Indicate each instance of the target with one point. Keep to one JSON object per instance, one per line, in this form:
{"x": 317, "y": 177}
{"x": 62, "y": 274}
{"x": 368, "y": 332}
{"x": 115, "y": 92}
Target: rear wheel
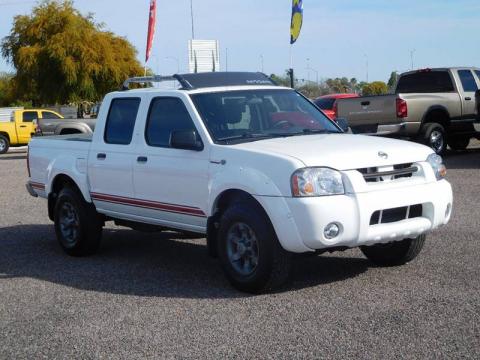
{"x": 458, "y": 143}
{"x": 251, "y": 255}
{"x": 4, "y": 144}
{"x": 394, "y": 253}
{"x": 77, "y": 224}
{"x": 433, "y": 135}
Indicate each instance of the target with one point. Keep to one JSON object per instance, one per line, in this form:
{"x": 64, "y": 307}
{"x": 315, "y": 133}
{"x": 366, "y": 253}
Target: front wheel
{"x": 458, "y": 143}
{"x": 4, "y": 144}
{"x": 433, "y": 135}
{"x": 77, "y": 224}
{"x": 394, "y": 253}
{"x": 251, "y": 255}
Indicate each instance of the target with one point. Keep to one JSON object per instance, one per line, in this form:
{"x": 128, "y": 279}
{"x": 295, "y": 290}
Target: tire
{"x": 77, "y": 224}
{"x": 394, "y": 253}
{"x": 246, "y": 237}
{"x": 433, "y": 135}
{"x": 458, "y": 143}
{"x": 4, "y": 144}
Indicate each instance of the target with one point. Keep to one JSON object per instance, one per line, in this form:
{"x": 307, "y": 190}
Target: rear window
{"x": 121, "y": 121}
{"x": 50, "y": 115}
{"x": 425, "y": 82}
{"x": 325, "y": 104}
{"x": 468, "y": 81}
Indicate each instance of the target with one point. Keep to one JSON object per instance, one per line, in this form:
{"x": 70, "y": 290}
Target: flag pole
{"x": 292, "y": 78}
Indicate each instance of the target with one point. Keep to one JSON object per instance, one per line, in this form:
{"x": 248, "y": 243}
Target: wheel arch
{"x": 3, "y": 133}
{"x": 439, "y": 110}
{"x": 219, "y": 205}
{"x": 60, "y": 181}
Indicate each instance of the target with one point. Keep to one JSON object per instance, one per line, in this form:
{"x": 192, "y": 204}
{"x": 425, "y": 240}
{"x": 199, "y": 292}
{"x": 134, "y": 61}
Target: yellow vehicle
{"x": 22, "y": 125}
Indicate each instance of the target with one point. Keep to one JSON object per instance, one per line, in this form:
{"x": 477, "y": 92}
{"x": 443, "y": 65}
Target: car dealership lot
{"x": 151, "y": 294}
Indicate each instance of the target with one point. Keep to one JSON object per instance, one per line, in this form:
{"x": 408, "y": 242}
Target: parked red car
{"x": 328, "y": 103}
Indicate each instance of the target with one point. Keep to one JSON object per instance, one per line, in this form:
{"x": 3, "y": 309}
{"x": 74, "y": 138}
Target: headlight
{"x": 317, "y": 182}
{"x": 438, "y": 167}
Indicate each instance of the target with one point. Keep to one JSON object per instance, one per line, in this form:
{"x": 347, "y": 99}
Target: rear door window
{"x": 468, "y": 81}
{"x": 425, "y": 82}
{"x": 50, "y": 116}
{"x": 29, "y": 116}
{"x": 121, "y": 121}
{"x": 166, "y": 115}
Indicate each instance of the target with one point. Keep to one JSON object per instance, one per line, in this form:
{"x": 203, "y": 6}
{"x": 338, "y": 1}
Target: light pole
{"x": 193, "y": 23}
{"x": 261, "y": 63}
{"x": 316, "y": 73}
{"x": 308, "y": 70}
{"x": 412, "y": 52}
{"x": 366, "y": 64}
{"x": 173, "y": 58}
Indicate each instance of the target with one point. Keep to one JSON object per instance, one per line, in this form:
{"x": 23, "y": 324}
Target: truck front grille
{"x": 388, "y": 216}
{"x": 375, "y": 174}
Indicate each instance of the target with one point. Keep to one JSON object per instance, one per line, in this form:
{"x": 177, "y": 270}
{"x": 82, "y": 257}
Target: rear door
{"x": 469, "y": 87}
{"x": 49, "y": 122}
{"x": 171, "y": 185}
{"x": 25, "y": 127}
{"x": 111, "y": 157}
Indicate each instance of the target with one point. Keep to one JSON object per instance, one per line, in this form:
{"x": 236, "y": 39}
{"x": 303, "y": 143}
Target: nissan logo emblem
{"x": 383, "y": 155}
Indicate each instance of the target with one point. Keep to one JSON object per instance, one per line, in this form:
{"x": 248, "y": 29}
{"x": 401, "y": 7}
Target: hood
{"x": 343, "y": 151}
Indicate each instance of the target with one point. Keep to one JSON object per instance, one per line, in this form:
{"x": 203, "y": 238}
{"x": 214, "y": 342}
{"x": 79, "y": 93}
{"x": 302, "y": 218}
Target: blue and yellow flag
{"x": 297, "y": 20}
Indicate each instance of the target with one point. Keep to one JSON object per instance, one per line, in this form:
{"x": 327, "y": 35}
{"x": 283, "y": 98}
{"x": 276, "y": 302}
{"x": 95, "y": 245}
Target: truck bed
{"x": 44, "y": 152}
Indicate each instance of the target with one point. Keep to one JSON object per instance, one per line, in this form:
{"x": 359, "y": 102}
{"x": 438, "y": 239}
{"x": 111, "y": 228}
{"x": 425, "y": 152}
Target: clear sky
{"x": 338, "y": 36}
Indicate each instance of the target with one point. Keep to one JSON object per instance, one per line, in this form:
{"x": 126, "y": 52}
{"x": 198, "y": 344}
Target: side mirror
{"x": 186, "y": 140}
{"x": 343, "y": 123}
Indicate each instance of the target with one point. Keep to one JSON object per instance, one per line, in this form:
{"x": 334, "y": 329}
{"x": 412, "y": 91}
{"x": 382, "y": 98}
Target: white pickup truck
{"x": 255, "y": 167}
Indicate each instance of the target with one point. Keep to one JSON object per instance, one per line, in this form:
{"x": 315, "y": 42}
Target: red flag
{"x": 151, "y": 28}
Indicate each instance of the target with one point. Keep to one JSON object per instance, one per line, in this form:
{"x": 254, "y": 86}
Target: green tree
{"x": 392, "y": 81}
{"x": 375, "y": 88}
{"x": 62, "y": 56}
{"x": 6, "y": 89}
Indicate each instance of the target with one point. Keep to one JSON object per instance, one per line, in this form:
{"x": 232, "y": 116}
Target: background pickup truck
{"x": 65, "y": 126}
{"x": 256, "y": 168}
{"x": 19, "y": 127}
{"x": 434, "y": 106}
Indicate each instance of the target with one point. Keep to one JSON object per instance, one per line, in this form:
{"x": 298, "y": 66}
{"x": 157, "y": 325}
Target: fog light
{"x": 448, "y": 211}
{"x": 331, "y": 231}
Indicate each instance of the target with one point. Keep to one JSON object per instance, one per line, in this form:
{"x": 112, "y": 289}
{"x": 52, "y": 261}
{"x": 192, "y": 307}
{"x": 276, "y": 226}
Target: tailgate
{"x": 368, "y": 112}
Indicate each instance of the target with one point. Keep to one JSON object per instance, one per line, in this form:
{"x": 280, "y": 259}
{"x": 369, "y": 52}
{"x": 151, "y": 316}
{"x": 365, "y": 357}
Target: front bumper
{"x": 300, "y": 222}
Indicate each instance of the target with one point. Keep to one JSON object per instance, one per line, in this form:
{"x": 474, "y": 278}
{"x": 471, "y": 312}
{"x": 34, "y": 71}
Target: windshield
{"x": 236, "y": 116}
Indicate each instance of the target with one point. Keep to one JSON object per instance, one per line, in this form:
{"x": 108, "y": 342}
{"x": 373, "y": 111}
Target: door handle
{"x": 142, "y": 159}
{"x": 468, "y": 98}
{"x": 23, "y": 126}
{"x": 365, "y": 103}
{"x": 101, "y": 156}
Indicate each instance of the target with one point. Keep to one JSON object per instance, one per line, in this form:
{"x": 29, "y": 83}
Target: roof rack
{"x": 154, "y": 78}
{"x": 207, "y": 80}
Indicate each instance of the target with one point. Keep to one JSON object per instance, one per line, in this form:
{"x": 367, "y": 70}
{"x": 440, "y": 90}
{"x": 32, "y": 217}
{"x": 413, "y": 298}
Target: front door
{"x": 469, "y": 86}
{"x": 111, "y": 159}
{"x": 171, "y": 185}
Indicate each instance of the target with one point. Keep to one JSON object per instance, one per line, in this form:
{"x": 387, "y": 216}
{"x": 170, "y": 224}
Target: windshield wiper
{"x": 319, "y": 131}
{"x": 245, "y": 135}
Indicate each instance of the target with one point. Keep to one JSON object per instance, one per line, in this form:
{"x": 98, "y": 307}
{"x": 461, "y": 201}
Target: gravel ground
{"x": 149, "y": 295}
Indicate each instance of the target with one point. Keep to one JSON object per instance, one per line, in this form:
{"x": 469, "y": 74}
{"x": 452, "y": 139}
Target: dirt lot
{"x": 148, "y": 295}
